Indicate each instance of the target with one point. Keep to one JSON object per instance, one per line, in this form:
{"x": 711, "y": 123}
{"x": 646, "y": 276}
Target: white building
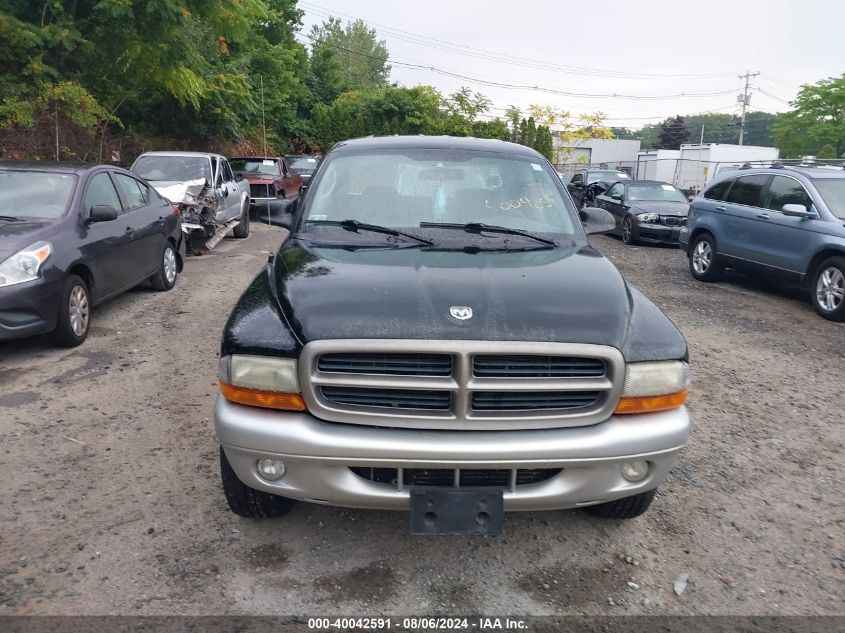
{"x": 613, "y": 153}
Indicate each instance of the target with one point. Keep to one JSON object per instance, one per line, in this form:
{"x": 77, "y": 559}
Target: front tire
{"x": 627, "y": 508}
{"x": 248, "y": 502}
{"x": 165, "y": 277}
{"x": 702, "y": 259}
{"x": 241, "y": 231}
{"x": 628, "y": 236}
{"x": 828, "y": 289}
{"x": 74, "y": 314}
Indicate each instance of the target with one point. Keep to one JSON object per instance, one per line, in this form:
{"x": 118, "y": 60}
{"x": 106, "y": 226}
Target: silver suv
{"x": 787, "y": 223}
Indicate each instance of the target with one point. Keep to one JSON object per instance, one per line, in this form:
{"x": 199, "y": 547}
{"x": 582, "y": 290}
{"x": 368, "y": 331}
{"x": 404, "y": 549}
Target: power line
{"x": 461, "y": 49}
{"x": 513, "y": 86}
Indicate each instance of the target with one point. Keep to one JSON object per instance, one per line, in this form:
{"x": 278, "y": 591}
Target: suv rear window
{"x": 747, "y": 190}
{"x": 718, "y": 191}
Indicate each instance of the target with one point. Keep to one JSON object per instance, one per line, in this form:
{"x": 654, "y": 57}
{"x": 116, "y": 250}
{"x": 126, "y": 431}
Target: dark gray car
{"x": 646, "y": 211}
{"x": 787, "y": 223}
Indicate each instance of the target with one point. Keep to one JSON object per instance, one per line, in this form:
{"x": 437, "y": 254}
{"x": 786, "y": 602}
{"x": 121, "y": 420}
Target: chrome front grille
{"x": 460, "y": 385}
{"x": 261, "y": 192}
{"x": 387, "y": 364}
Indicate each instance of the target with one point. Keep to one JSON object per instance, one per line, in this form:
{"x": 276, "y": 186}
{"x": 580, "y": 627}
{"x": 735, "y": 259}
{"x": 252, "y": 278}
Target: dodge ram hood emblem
{"x": 462, "y": 313}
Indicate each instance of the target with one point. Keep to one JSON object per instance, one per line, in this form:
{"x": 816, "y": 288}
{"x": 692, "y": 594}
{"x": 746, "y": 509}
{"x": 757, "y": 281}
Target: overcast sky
{"x": 642, "y": 48}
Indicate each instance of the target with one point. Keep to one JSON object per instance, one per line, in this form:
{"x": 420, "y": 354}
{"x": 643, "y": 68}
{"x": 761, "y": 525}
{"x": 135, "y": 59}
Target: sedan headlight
{"x": 647, "y": 217}
{"x": 261, "y": 381}
{"x": 654, "y": 386}
{"x": 25, "y": 265}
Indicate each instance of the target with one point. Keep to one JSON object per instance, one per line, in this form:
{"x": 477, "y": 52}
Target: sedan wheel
{"x": 628, "y": 231}
{"x": 169, "y": 265}
{"x": 78, "y": 310}
{"x": 165, "y": 277}
{"x": 74, "y": 314}
{"x": 829, "y": 289}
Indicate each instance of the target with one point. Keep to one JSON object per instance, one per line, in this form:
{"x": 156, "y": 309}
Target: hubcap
{"x": 169, "y": 265}
{"x": 701, "y": 257}
{"x": 626, "y": 230}
{"x": 78, "y": 310}
{"x": 830, "y": 289}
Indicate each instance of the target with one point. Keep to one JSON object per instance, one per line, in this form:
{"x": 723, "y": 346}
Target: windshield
{"x": 35, "y": 194}
{"x": 402, "y": 188}
{"x": 302, "y": 164}
{"x": 173, "y": 168}
{"x": 610, "y": 176}
{"x": 655, "y": 193}
{"x": 265, "y": 167}
{"x": 832, "y": 192}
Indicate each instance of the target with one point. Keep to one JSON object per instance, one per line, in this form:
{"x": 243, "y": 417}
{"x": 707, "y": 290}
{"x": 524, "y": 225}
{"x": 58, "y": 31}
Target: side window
{"x": 748, "y": 190}
{"x": 718, "y": 191}
{"x": 228, "y": 176}
{"x": 785, "y": 190}
{"x": 616, "y": 190}
{"x": 133, "y": 191}
{"x": 577, "y": 178}
{"x": 101, "y": 192}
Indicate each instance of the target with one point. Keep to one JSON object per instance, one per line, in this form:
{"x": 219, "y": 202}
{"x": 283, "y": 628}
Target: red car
{"x": 270, "y": 179}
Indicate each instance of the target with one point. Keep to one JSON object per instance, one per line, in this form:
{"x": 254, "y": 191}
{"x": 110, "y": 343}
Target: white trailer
{"x": 698, "y": 163}
{"x": 657, "y": 164}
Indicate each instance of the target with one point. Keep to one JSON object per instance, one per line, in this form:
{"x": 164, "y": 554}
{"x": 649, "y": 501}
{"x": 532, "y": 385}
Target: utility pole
{"x": 264, "y": 120}
{"x": 746, "y": 99}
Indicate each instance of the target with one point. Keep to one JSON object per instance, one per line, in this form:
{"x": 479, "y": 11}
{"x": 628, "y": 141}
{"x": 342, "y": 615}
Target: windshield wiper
{"x": 9, "y": 218}
{"x": 478, "y": 228}
{"x": 355, "y": 226}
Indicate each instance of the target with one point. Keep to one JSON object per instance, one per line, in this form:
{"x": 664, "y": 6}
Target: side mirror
{"x": 797, "y": 211}
{"x": 102, "y": 213}
{"x": 596, "y": 220}
{"x": 617, "y": 196}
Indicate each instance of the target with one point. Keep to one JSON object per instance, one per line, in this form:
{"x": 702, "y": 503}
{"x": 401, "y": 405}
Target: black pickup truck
{"x": 437, "y": 335}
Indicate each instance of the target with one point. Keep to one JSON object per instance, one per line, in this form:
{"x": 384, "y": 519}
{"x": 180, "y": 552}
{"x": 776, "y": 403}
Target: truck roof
{"x": 436, "y": 142}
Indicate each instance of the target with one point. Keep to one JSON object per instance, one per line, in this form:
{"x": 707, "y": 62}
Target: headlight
{"x": 25, "y": 265}
{"x": 647, "y": 217}
{"x": 261, "y": 381}
{"x": 654, "y": 386}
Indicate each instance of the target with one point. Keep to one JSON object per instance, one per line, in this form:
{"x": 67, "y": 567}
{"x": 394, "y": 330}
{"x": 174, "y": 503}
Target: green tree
{"x": 816, "y": 123}
{"x": 346, "y": 58}
{"x": 543, "y": 143}
{"x": 673, "y": 132}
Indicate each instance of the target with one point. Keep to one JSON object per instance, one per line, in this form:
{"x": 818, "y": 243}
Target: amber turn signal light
{"x": 647, "y": 404}
{"x": 261, "y": 398}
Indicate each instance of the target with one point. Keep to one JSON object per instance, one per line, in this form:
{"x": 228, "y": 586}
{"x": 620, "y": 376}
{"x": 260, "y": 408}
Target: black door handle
{"x": 720, "y": 208}
{"x": 763, "y": 216}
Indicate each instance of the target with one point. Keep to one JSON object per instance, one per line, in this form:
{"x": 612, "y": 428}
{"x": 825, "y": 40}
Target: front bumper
{"x": 29, "y": 308}
{"x": 657, "y": 233}
{"x": 318, "y": 456}
{"x": 683, "y": 239}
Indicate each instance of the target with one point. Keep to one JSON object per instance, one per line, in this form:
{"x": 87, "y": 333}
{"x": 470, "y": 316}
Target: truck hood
{"x": 180, "y": 192}
{"x": 568, "y": 294}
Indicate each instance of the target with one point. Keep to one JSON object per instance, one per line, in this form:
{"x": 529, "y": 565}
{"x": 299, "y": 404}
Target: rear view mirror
{"x": 797, "y": 211}
{"x": 596, "y": 220}
{"x": 102, "y": 213}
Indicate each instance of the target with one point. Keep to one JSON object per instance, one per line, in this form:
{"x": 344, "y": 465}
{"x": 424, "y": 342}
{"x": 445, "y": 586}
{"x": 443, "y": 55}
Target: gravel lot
{"x": 111, "y": 502}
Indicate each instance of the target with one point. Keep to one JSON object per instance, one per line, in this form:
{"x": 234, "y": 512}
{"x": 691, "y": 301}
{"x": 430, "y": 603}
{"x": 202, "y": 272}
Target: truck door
{"x": 231, "y": 192}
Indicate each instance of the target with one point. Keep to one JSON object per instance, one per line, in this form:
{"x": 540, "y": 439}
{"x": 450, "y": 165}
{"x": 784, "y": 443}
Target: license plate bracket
{"x": 437, "y": 510}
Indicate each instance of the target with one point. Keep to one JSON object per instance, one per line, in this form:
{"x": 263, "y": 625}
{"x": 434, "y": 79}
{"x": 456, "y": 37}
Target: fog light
{"x": 271, "y": 469}
{"x": 635, "y": 471}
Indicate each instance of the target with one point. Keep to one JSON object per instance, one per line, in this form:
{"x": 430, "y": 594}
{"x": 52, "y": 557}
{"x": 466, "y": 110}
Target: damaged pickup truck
{"x": 212, "y": 198}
